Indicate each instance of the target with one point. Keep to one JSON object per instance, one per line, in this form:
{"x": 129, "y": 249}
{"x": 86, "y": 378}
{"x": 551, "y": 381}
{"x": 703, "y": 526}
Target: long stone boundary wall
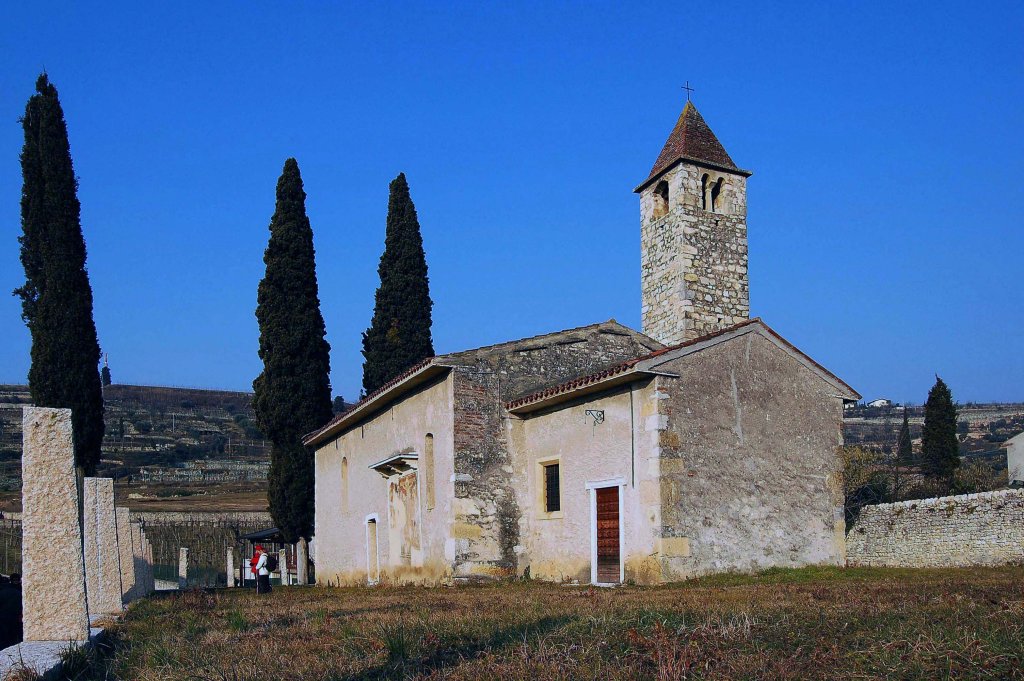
{"x": 960, "y": 531}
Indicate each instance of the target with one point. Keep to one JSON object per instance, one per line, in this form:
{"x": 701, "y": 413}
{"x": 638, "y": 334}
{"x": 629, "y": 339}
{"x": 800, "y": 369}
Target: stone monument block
{"x": 53, "y": 581}
{"x": 150, "y": 576}
{"x": 126, "y": 553}
{"x": 301, "y": 562}
{"x": 102, "y": 560}
{"x": 138, "y": 560}
{"x": 230, "y": 572}
{"x": 282, "y": 566}
{"x": 182, "y": 567}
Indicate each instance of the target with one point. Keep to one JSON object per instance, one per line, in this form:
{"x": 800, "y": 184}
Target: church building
{"x": 600, "y": 454}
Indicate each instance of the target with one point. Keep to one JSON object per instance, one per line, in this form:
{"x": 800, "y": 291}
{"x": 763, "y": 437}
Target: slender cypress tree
{"x": 105, "y": 373}
{"x": 904, "y": 446}
{"x": 293, "y": 394}
{"x": 399, "y": 334}
{"x": 940, "y": 451}
{"x": 56, "y": 300}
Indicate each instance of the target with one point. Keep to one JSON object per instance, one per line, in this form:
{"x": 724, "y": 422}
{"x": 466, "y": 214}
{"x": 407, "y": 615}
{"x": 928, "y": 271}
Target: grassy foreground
{"x": 783, "y": 624}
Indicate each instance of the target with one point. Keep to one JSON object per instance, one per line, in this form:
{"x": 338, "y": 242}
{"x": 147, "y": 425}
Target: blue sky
{"x": 885, "y": 212}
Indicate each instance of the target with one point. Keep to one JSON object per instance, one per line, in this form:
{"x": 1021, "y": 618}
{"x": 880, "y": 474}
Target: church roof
{"x": 691, "y": 140}
{"x": 433, "y": 366}
{"x": 647, "y": 365}
{"x": 556, "y": 338}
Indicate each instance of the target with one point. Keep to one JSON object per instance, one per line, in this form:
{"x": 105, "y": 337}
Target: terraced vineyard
{"x": 163, "y": 446}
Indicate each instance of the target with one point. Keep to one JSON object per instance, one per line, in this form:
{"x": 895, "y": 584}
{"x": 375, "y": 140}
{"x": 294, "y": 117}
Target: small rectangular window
{"x": 552, "y": 493}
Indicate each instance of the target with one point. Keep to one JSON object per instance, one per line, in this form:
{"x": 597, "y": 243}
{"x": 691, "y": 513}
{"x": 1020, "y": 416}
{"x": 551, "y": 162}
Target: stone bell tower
{"x": 693, "y": 236}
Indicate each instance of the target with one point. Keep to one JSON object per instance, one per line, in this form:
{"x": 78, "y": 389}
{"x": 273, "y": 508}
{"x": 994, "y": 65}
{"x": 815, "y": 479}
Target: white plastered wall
{"x": 340, "y": 525}
{"x": 558, "y": 546}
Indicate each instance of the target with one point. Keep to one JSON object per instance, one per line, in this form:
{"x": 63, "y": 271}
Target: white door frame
{"x": 375, "y": 518}
{"x": 592, "y": 487}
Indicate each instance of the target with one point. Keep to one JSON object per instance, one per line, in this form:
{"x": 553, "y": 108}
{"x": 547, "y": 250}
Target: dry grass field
{"x": 784, "y": 624}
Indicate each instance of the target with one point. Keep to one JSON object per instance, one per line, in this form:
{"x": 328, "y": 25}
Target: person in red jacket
{"x": 258, "y": 564}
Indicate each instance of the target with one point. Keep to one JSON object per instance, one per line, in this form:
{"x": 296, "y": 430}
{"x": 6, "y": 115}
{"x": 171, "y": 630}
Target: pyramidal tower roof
{"x": 691, "y": 140}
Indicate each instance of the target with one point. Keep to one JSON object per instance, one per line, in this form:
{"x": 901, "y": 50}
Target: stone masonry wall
{"x": 748, "y": 463}
{"x": 693, "y": 261}
{"x": 959, "y": 531}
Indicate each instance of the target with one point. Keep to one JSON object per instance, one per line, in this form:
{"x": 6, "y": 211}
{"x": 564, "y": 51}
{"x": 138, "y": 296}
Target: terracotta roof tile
{"x": 692, "y": 139}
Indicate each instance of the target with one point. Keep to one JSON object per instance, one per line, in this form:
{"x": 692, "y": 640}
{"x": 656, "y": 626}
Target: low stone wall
{"x": 960, "y": 531}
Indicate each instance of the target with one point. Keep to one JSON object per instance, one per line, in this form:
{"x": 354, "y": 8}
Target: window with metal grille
{"x": 552, "y": 493}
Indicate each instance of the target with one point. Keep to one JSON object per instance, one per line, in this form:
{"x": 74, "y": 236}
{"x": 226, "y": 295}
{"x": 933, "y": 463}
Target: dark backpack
{"x": 271, "y": 563}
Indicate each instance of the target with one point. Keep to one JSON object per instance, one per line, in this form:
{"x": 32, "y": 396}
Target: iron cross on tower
{"x": 688, "y": 90}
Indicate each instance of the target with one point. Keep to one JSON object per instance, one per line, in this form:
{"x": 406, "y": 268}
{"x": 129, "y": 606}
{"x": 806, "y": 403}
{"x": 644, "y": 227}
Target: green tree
{"x": 56, "y": 299}
{"x": 399, "y": 334}
{"x": 293, "y": 393}
{"x": 940, "y": 451}
{"x": 105, "y": 375}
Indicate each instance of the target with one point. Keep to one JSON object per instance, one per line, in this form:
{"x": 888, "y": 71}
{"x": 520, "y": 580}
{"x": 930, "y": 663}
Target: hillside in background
{"x": 982, "y": 428}
{"x": 166, "y": 448}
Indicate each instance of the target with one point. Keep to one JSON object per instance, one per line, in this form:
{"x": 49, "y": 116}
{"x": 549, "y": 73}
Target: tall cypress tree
{"x": 293, "y": 394}
{"x": 56, "y": 299}
{"x": 904, "y": 446}
{"x": 399, "y": 334}
{"x": 940, "y": 451}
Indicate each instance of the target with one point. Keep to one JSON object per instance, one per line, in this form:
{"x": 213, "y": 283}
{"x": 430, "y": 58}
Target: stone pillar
{"x": 182, "y": 567}
{"x": 301, "y": 562}
{"x": 150, "y": 575}
{"x": 53, "y": 582}
{"x": 282, "y": 566}
{"x": 138, "y": 560}
{"x": 126, "y": 553}
{"x": 151, "y": 584}
{"x": 102, "y": 560}
{"x": 231, "y": 567}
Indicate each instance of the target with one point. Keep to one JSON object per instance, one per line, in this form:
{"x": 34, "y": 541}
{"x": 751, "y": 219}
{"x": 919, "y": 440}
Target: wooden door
{"x": 608, "y": 535}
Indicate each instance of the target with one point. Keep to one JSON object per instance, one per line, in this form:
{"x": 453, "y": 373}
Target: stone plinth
{"x": 102, "y": 560}
{"x": 182, "y": 567}
{"x": 53, "y": 581}
{"x": 126, "y": 554}
{"x": 301, "y": 562}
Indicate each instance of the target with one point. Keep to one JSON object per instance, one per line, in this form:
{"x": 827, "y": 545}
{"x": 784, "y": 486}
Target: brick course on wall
{"x": 957, "y": 531}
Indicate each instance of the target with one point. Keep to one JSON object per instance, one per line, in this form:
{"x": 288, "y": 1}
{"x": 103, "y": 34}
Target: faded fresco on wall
{"x": 404, "y": 519}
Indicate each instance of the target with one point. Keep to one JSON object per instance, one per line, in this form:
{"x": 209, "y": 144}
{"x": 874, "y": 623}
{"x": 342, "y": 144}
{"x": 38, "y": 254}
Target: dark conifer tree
{"x": 56, "y": 299}
{"x": 904, "y": 446}
{"x": 105, "y": 373}
{"x": 293, "y": 394}
{"x": 399, "y": 334}
{"x": 940, "y": 450}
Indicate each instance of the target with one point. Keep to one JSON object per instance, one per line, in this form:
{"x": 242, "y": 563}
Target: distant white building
{"x": 1015, "y": 458}
{"x": 880, "y": 402}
